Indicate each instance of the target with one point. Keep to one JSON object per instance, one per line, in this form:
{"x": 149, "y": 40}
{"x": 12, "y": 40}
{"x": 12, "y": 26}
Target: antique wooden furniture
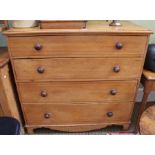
{"x": 148, "y": 81}
{"x": 78, "y": 79}
{"x": 147, "y": 121}
{"x": 8, "y": 102}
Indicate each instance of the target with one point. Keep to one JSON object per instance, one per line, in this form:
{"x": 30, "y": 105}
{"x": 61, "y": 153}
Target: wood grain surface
{"x": 76, "y": 113}
{"x": 66, "y": 69}
{"x": 64, "y": 77}
{"x": 98, "y": 91}
{"x": 77, "y": 46}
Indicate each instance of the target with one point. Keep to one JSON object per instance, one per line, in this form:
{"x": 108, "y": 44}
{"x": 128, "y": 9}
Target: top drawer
{"x": 77, "y": 46}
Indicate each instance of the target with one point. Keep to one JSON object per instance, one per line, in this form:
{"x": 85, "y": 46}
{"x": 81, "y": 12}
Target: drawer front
{"x": 98, "y": 91}
{"x": 76, "y": 69}
{"x": 78, "y": 46}
{"x": 63, "y": 114}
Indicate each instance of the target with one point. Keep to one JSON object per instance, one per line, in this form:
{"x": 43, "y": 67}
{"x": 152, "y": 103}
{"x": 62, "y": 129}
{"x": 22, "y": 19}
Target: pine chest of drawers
{"x": 78, "y": 80}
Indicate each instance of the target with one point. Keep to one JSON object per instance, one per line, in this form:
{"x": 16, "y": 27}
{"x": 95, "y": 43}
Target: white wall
{"x": 150, "y": 24}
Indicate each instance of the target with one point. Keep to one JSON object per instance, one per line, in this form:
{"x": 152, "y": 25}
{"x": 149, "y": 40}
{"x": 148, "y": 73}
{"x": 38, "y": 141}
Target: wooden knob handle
{"x": 38, "y": 47}
{"x": 41, "y": 69}
{"x": 113, "y": 92}
{"x": 116, "y": 68}
{"x": 109, "y": 114}
{"x": 46, "y": 115}
{"x": 119, "y": 45}
{"x": 43, "y": 93}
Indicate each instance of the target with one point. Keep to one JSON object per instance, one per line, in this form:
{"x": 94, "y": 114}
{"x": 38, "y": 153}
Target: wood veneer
{"x": 76, "y": 69}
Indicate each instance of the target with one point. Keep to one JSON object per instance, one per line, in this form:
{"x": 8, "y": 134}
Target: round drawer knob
{"x": 43, "y": 93}
{"x": 116, "y": 68}
{"x": 119, "y": 45}
{"x": 46, "y": 115}
{"x": 41, "y": 69}
{"x": 109, "y": 114}
{"x": 113, "y": 92}
{"x": 38, "y": 47}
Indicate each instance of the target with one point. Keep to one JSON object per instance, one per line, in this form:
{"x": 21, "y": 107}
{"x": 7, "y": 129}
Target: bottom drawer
{"x": 67, "y": 114}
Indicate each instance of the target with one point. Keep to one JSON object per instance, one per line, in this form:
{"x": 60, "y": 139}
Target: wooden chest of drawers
{"x": 78, "y": 80}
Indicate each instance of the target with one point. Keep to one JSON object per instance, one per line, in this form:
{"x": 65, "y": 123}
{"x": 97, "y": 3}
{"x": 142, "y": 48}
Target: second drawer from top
{"x": 77, "y": 69}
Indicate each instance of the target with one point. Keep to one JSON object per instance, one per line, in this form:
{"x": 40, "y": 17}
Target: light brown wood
{"x": 1, "y": 112}
{"x": 69, "y": 63}
{"x": 153, "y": 87}
{"x": 9, "y": 105}
{"x": 75, "y": 128}
{"x": 77, "y": 46}
{"x": 147, "y": 121}
{"x": 7, "y": 96}
{"x": 148, "y": 81}
{"x": 60, "y": 92}
{"x": 149, "y": 75}
{"x": 93, "y": 27}
{"x": 30, "y": 130}
{"x": 60, "y": 114}
{"x": 62, "y": 24}
{"x": 67, "y": 69}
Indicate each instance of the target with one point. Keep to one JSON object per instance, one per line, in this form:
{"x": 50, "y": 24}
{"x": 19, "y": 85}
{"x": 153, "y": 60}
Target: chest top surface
{"x": 92, "y": 27}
